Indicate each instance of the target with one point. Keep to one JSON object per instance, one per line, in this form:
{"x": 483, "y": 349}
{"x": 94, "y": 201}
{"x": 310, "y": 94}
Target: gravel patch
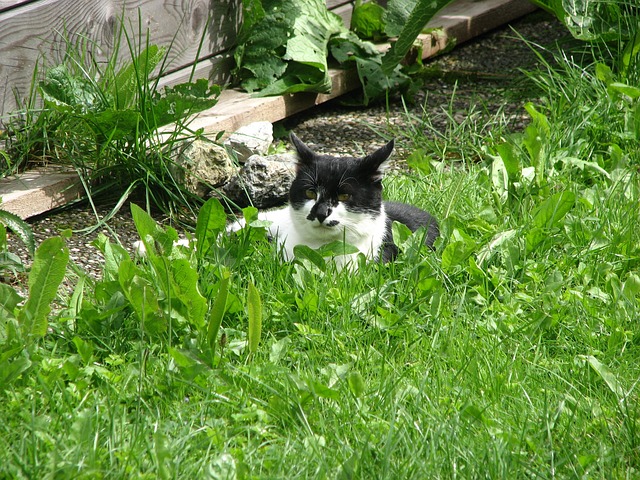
{"x": 483, "y": 72}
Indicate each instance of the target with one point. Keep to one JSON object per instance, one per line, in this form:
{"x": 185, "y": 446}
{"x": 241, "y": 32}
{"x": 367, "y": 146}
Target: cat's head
{"x": 337, "y": 193}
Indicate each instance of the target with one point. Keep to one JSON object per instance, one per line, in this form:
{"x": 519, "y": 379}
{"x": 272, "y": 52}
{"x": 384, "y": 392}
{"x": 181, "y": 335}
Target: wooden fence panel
{"x": 38, "y": 28}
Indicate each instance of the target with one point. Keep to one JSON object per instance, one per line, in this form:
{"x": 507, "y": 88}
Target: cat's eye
{"x": 311, "y": 195}
{"x": 344, "y": 197}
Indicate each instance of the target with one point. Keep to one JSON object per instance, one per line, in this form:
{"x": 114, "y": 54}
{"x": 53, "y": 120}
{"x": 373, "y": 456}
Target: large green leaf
{"x": 182, "y": 100}
{"x": 142, "y": 296}
{"x": 211, "y": 221}
{"x": 151, "y": 234}
{"x": 606, "y": 374}
{"x": 285, "y": 49}
{"x": 397, "y": 15}
{"x": 20, "y": 228}
{"x": 12, "y": 366}
{"x": 9, "y": 300}
{"x": 423, "y": 11}
{"x": 367, "y": 20}
{"x": 254, "y": 310}
{"x": 66, "y": 92}
{"x": 113, "y": 255}
{"x": 553, "y": 209}
{"x": 185, "y": 288}
{"x": 131, "y": 78}
{"x": 217, "y": 311}
{"x": 47, "y": 272}
{"x": 595, "y": 21}
{"x": 547, "y": 216}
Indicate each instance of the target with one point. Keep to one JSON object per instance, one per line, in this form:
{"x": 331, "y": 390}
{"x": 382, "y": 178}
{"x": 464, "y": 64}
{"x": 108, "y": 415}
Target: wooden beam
{"x": 39, "y": 191}
{"x": 41, "y": 28}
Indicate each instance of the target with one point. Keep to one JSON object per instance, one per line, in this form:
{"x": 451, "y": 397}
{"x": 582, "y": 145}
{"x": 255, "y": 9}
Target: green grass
{"x": 509, "y": 352}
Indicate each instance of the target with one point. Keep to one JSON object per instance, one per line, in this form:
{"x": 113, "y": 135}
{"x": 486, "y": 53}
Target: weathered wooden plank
{"x": 331, "y": 4}
{"x": 236, "y": 108}
{"x": 33, "y": 29}
{"x": 464, "y": 20}
{"x": 9, "y": 4}
{"x": 37, "y": 29}
{"x": 38, "y": 191}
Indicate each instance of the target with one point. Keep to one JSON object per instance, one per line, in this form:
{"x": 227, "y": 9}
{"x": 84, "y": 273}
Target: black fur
{"x": 358, "y": 177}
{"x": 414, "y": 218}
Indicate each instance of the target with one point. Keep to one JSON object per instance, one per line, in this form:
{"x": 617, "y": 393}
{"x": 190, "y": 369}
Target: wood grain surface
{"x": 39, "y": 29}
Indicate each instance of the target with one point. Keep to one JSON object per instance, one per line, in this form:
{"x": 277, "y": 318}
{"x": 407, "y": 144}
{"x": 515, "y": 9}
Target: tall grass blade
{"x": 254, "y": 309}
{"x": 217, "y": 311}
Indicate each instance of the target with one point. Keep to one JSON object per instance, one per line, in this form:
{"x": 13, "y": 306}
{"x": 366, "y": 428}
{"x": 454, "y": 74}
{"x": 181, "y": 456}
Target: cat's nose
{"x": 322, "y": 213}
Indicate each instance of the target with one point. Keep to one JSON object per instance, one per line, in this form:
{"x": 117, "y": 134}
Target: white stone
{"x": 252, "y": 139}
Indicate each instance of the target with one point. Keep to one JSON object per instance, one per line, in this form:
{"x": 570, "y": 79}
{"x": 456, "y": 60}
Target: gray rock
{"x": 263, "y": 181}
{"x": 252, "y": 139}
{"x": 201, "y": 165}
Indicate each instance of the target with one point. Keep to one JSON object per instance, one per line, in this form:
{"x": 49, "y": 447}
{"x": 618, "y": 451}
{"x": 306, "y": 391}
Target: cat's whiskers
{"x": 345, "y": 180}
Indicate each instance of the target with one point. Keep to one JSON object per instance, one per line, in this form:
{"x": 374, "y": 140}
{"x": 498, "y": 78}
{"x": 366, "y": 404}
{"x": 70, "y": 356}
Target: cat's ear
{"x": 377, "y": 162}
{"x": 305, "y": 153}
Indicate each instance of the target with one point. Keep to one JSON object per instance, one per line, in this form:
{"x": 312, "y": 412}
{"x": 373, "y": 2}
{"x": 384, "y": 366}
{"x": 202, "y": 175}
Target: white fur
{"x": 141, "y": 251}
{"x": 291, "y": 227}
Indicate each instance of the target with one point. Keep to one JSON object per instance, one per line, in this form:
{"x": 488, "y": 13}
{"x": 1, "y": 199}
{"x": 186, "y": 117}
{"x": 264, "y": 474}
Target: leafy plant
{"x": 283, "y": 46}
{"x": 22, "y": 321}
{"x": 8, "y": 260}
{"x": 595, "y": 21}
{"x": 105, "y": 121}
{"x": 161, "y": 294}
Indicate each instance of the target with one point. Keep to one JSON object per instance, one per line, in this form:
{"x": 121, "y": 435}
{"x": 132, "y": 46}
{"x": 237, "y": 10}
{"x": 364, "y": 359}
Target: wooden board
{"x": 31, "y": 30}
{"x": 38, "y": 191}
{"x": 9, "y": 4}
{"x": 457, "y": 23}
{"x": 38, "y": 28}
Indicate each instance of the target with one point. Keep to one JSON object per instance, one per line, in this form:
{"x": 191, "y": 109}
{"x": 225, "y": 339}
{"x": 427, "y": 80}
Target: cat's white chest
{"x": 290, "y": 227}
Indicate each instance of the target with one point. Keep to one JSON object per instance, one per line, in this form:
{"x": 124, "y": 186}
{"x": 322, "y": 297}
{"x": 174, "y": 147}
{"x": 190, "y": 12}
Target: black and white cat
{"x": 335, "y": 198}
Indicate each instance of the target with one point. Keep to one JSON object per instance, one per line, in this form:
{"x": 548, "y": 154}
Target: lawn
{"x": 511, "y": 351}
